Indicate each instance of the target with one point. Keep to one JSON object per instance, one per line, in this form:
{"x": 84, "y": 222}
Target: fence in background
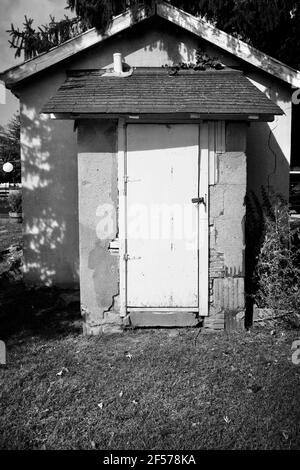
{"x": 295, "y": 192}
{"x": 5, "y": 187}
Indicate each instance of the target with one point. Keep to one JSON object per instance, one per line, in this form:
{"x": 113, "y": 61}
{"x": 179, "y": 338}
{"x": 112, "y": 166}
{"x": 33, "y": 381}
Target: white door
{"x": 162, "y": 223}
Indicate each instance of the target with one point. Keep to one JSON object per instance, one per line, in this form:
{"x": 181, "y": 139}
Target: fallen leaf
{"x": 128, "y": 355}
{"x": 50, "y": 386}
{"x": 62, "y": 372}
{"x": 226, "y": 419}
{"x": 254, "y": 388}
{"x": 285, "y": 435}
{"x": 111, "y": 438}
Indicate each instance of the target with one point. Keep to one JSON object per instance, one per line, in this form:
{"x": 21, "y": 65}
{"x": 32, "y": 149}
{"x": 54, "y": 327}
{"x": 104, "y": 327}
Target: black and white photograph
{"x": 149, "y": 228}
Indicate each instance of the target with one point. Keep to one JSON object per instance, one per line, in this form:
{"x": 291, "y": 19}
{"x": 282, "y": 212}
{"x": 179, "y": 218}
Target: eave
{"x": 170, "y": 118}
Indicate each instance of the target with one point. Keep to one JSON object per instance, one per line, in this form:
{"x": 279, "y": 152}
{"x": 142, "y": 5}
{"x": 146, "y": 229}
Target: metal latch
{"x": 128, "y": 180}
{"x": 199, "y": 200}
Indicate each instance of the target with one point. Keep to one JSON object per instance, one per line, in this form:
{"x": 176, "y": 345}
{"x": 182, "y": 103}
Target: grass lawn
{"x": 10, "y": 234}
{"x": 151, "y": 389}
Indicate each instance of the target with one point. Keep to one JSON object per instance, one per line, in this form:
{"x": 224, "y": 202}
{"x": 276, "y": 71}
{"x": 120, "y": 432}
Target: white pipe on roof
{"x": 2, "y": 93}
{"x": 118, "y": 66}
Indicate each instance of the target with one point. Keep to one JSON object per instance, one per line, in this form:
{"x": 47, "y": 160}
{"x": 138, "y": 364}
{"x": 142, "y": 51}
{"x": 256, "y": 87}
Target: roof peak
{"x": 162, "y": 9}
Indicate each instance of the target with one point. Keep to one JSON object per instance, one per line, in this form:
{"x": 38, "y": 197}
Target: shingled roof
{"x": 155, "y": 91}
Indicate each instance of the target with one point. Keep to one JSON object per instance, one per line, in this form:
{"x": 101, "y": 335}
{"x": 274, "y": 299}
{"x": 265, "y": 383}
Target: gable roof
{"x": 197, "y": 26}
{"x": 154, "y": 91}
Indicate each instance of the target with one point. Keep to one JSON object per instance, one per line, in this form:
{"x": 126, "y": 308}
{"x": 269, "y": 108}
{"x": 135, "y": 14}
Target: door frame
{"x": 203, "y": 210}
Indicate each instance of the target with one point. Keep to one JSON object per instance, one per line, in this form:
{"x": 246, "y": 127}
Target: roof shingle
{"x": 154, "y": 91}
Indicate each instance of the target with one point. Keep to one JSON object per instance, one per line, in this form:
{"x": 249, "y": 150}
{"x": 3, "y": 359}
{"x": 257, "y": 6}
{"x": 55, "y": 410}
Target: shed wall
{"x": 49, "y": 148}
{"x": 98, "y": 208}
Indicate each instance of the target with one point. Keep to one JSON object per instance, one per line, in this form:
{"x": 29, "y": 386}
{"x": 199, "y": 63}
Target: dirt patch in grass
{"x": 151, "y": 390}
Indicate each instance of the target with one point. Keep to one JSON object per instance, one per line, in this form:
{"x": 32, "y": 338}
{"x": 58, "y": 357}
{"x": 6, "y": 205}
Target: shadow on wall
{"x": 179, "y": 51}
{"x": 233, "y": 44}
{"x": 267, "y": 165}
{"x": 267, "y": 175}
{"x": 50, "y": 202}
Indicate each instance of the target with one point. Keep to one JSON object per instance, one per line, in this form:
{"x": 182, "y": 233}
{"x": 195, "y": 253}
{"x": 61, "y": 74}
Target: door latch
{"x": 199, "y": 200}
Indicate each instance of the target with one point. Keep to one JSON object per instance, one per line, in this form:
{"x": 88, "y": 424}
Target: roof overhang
{"x": 153, "y": 93}
{"x": 164, "y": 117}
{"x": 170, "y": 13}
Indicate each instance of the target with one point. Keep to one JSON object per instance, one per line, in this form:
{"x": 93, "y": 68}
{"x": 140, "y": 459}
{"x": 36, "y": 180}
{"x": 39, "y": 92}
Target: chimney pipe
{"x": 118, "y": 67}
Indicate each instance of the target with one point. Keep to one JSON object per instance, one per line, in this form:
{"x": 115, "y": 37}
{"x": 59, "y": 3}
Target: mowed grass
{"x": 155, "y": 389}
{"x": 10, "y": 234}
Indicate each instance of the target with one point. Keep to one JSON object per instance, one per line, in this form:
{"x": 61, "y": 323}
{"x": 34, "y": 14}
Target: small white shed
{"x": 135, "y": 176}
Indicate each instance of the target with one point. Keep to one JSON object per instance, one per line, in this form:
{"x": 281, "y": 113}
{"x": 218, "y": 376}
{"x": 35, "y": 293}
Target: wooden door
{"x": 163, "y": 247}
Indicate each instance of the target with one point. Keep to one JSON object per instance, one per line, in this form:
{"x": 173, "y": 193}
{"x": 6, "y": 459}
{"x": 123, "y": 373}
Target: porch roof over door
{"x": 210, "y": 94}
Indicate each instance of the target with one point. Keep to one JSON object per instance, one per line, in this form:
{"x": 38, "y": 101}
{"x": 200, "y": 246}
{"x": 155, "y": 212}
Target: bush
{"x": 277, "y": 272}
{"x": 15, "y": 200}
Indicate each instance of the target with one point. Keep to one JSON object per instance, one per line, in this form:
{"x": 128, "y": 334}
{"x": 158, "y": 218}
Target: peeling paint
{"x": 227, "y": 240}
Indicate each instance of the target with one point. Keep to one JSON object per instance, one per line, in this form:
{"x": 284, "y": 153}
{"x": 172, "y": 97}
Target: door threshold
{"x": 163, "y": 309}
{"x": 170, "y": 319}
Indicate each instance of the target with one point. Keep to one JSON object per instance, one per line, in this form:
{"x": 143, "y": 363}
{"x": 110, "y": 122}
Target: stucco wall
{"x": 49, "y": 148}
{"x": 98, "y": 205}
{"x": 49, "y": 177}
{"x": 269, "y": 144}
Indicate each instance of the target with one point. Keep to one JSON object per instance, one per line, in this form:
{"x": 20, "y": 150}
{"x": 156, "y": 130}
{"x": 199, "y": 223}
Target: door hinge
{"x": 127, "y": 257}
{"x": 128, "y": 180}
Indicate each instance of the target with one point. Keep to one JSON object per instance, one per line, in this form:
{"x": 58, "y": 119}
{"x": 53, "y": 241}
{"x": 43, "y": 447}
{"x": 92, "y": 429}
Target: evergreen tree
{"x": 273, "y": 26}
{"x": 31, "y": 41}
